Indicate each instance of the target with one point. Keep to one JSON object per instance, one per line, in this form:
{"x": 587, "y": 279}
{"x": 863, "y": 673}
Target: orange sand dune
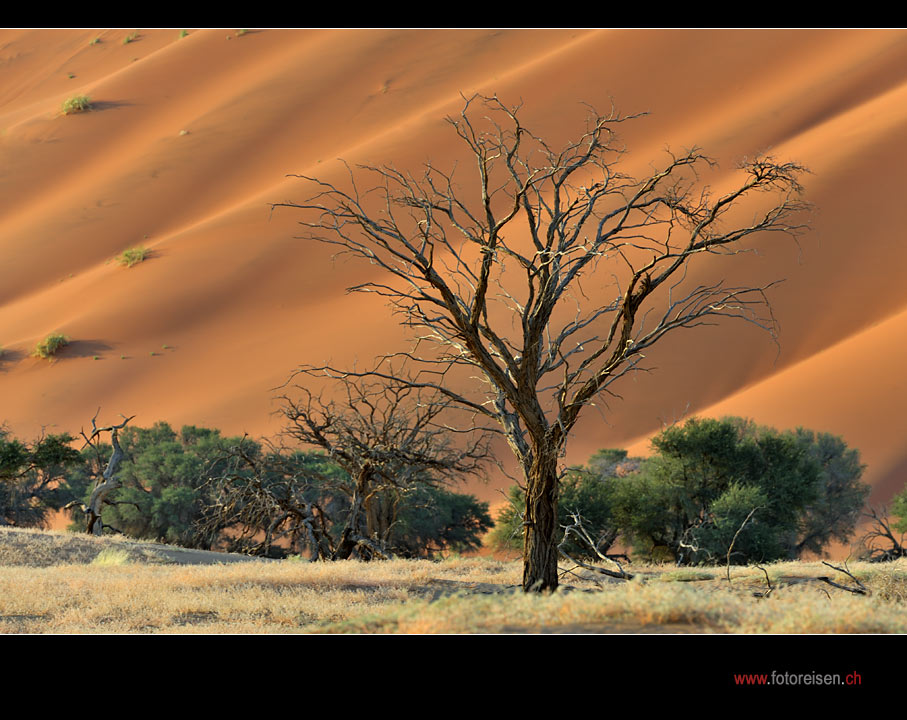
{"x": 192, "y": 139}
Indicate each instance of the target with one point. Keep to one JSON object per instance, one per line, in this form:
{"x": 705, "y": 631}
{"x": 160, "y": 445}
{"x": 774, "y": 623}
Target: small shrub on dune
{"x": 132, "y": 256}
{"x": 50, "y": 346}
{"x": 77, "y": 104}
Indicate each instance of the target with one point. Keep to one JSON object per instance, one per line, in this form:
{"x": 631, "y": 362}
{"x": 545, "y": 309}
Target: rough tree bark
{"x": 489, "y": 279}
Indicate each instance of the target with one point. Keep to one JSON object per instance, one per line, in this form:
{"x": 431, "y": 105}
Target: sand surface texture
{"x": 191, "y": 138}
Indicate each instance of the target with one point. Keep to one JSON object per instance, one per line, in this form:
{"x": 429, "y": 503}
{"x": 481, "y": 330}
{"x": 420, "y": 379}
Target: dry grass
{"x": 55, "y": 583}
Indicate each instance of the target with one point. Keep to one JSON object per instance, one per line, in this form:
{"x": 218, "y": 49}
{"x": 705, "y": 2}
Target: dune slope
{"x": 190, "y": 140}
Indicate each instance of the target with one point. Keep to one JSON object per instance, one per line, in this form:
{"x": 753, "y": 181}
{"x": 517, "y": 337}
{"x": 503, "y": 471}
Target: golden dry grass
{"x": 140, "y": 593}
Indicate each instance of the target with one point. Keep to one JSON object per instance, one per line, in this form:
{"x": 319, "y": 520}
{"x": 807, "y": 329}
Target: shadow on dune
{"x": 9, "y": 357}
{"x": 108, "y": 105}
{"x": 84, "y": 348}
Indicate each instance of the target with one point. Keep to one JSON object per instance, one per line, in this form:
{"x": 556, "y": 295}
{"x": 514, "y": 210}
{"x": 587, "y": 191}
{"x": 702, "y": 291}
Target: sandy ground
{"x": 192, "y": 138}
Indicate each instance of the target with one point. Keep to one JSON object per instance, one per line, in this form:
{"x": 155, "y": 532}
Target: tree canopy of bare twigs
{"x": 881, "y": 542}
{"x": 262, "y": 498}
{"x": 491, "y": 277}
{"x": 389, "y": 439}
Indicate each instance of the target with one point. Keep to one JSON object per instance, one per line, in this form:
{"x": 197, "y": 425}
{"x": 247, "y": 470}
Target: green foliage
{"x": 76, "y": 104}
{"x": 161, "y": 495}
{"x": 690, "y": 499}
{"x": 841, "y": 495}
{"x": 899, "y": 511}
{"x": 131, "y": 37}
{"x": 166, "y": 494}
{"x": 431, "y": 519}
{"x": 507, "y": 533}
{"x": 50, "y": 346}
{"x": 132, "y": 256}
{"x": 688, "y": 502}
{"x": 29, "y": 476}
{"x": 584, "y": 493}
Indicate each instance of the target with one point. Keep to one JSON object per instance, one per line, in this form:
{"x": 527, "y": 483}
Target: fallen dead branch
{"x": 861, "y": 589}
{"x": 579, "y": 532}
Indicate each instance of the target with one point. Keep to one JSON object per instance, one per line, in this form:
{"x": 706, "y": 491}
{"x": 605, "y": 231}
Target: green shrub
{"x": 76, "y": 104}
{"x": 690, "y": 499}
{"x": 50, "y": 346}
{"x": 131, "y": 37}
{"x": 30, "y": 475}
{"x": 162, "y": 492}
{"x": 432, "y": 520}
{"x": 132, "y": 256}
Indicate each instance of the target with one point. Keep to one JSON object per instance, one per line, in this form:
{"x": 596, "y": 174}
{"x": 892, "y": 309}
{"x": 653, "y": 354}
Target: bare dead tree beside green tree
{"x": 390, "y": 439}
{"x": 490, "y": 278}
{"x": 107, "y": 480}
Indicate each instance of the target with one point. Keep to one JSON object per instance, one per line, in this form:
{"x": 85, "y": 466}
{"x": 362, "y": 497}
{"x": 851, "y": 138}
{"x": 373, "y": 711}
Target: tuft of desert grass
{"x": 132, "y": 256}
{"x": 76, "y": 104}
{"x": 112, "y": 556}
{"x": 50, "y": 346}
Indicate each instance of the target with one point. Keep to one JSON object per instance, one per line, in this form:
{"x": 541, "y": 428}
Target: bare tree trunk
{"x": 352, "y": 529}
{"x": 540, "y": 551}
{"x": 108, "y": 481}
{"x": 380, "y": 515}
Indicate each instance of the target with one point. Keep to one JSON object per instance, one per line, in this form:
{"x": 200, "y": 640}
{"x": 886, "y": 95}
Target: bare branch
{"x": 861, "y": 589}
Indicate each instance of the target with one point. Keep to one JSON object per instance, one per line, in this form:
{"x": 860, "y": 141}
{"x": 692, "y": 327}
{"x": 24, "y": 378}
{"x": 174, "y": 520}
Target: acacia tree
{"x": 390, "y": 439}
{"x": 30, "y": 476}
{"x": 265, "y": 497}
{"x": 491, "y": 281}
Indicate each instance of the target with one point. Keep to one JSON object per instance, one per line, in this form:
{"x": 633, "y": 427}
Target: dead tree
{"x": 882, "y": 532}
{"x": 489, "y": 279}
{"x": 107, "y": 482}
{"x": 264, "y": 500}
{"x": 388, "y": 439}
